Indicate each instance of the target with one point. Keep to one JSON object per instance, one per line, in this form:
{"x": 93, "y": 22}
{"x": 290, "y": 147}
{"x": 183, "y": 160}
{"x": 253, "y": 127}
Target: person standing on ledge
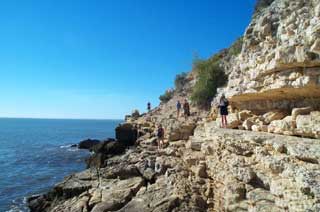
{"x": 186, "y": 108}
{"x": 178, "y": 108}
{"x": 149, "y": 106}
{"x": 160, "y": 135}
{"x": 223, "y": 106}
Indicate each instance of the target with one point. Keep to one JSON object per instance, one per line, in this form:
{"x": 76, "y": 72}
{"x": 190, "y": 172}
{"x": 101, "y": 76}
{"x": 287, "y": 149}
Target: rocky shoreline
{"x": 268, "y": 159}
{"x": 213, "y": 170}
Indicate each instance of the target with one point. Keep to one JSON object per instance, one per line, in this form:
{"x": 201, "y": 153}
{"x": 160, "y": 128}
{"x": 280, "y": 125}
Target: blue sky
{"x": 102, "y": 58}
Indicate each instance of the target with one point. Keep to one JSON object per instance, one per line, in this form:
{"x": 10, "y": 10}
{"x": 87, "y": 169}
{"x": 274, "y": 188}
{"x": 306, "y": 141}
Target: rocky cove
{"x": 267, "y": 159}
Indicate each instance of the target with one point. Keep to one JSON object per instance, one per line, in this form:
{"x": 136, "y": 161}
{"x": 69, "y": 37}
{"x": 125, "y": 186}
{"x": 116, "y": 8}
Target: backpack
{"x": 160, "y": 132}
{"x": 178, "y": 105}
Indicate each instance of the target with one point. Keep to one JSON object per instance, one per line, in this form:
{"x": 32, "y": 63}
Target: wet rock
{"x": 88, "y": 144}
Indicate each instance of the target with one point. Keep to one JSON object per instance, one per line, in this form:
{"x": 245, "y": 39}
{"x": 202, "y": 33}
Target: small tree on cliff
{"x": 166, "y": 96}
{"x": 180, "y": 81}
{"x": 210, "y": 77}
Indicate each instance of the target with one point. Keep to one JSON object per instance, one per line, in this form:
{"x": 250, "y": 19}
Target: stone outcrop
{"x": 88, "y": 144}
{"x": 279, "y": 66}
{"x": 126, "y": 133}
{"x": 301, "y": 122}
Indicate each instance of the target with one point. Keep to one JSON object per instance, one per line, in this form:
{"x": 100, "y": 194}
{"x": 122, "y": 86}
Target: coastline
{"x": 32, "y": 157}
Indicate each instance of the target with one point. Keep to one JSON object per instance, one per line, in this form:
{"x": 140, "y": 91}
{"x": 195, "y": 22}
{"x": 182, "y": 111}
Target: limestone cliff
{"x": 279, "y": 66}
{"x": 274, "y": 86}
{"x": 277, "y": 73}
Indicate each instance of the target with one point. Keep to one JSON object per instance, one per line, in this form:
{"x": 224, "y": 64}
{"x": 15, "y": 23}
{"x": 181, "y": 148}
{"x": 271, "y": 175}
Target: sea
{"x": 35, "y": 154}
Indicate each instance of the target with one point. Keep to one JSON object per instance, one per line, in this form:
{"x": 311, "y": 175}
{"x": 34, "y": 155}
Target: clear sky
{"x": 103, "y": 58}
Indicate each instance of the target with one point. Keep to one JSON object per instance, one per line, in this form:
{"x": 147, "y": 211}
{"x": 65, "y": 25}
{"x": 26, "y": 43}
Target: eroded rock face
{"x": 258, "y": 171}
{"x": 279, "y": 66}
{"x": 126, "y": 134}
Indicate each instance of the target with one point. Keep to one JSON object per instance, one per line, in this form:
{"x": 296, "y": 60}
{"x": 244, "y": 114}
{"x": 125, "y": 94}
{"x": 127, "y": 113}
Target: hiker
{"x": 178, "y": 108}
{"x": 186, "y": 108}
{"x": 223, "y": 106}
{"x": 160, "y": 135}
{"x": 149, "y": 106}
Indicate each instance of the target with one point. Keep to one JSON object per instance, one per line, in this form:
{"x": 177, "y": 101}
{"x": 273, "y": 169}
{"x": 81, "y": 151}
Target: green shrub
{"x": 210, "y": 77}
{"x": 180, "y": 81}
{"x": 166, "y": 96}
{"x": 236, "y": 47}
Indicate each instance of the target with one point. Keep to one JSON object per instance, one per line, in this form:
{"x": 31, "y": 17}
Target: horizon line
{"x": 93, "y": 119}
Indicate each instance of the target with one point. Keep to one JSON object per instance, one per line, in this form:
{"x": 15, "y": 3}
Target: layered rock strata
{"x": 279, "y": 66}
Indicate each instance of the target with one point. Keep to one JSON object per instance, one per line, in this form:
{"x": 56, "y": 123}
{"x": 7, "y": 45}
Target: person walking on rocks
{"x": 149, "y": 106}
{"x": 186, "y": 108}
{"x": 160, "y": 135}
{"x": 223, "y": 106}
{"x": 178, "y": 108}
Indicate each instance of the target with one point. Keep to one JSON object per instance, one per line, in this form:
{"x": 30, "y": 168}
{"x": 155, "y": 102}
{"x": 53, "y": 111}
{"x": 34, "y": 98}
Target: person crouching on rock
{"x": 186, "y": 108}
{"x": 223, "y": 106}
{"x": 160, "y": 135}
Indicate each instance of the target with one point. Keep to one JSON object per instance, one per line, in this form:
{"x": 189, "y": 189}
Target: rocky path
{"x": 214, "y": 170}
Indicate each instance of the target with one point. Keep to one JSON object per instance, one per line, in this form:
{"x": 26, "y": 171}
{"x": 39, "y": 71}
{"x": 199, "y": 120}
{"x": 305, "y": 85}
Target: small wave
{"x": 68, "y": 146}
{"x": 72, "y": 150}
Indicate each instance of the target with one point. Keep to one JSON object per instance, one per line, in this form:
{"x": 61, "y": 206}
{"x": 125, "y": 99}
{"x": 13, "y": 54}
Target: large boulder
{"x": 103, "y": 151}
{"x": 182, "y": 131}
{"x": 308, "y": 125}
{"x": 300, "y": 111}
{"x": 233, "y": 121}
{"x": 273, "y": 115}
{"x": 88, "y": 143}
{"x": 283, "y": 126}
{"x": 109, "y": 147}
{"x": 127, "y": 134}
{"x": 245, "y": 114}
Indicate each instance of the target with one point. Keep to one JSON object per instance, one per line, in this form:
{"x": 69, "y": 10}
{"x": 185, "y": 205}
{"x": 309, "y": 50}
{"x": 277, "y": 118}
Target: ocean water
{"x": 35, "y": 154}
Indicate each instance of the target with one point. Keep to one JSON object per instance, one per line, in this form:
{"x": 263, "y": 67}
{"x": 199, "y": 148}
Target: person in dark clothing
{"x": 160, "y": 135}
{"x": 186, "y": 108}
{"x": 178, "y": 108}
{"x": 223, "y": 106}
{"x": 149, "y": 106}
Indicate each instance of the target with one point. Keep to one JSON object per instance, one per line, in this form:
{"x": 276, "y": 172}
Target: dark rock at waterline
{"x": 127, "y": 134}
{"x": 104, "y": 150}
{"x": 74, "y": 145}
{"x": 109, "y": 147}
{"x": 37, "y": 203}
{"x": 88, "y": 144}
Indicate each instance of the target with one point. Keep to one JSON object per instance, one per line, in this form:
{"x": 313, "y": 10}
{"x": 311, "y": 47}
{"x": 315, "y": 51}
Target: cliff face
{"x": 275, "y": 86}
{"x": 279, "y": 66}
{"x": 274, "y": 83}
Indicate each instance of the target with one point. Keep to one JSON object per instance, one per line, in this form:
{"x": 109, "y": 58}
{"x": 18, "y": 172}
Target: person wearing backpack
{"x": 178, "y": 108}
{"x": 186, "y": 108}
{"x": 160, "y": 135}
{"x": 223, "y": 106}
